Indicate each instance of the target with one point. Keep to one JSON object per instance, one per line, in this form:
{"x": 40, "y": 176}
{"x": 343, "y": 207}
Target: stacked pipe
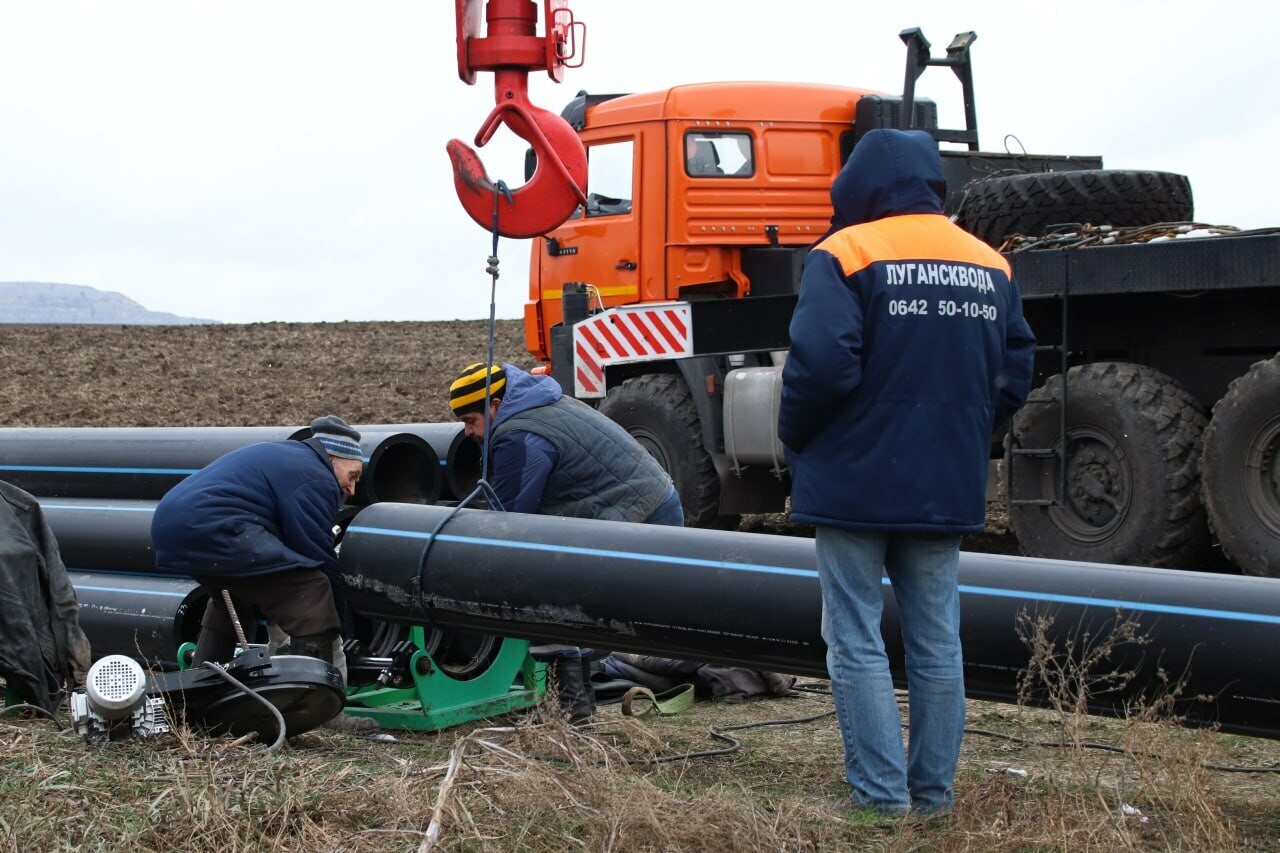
{"x": 145, "y": 462}
{"x": 99, "y": 488}
{"x": 745, "y": 599}
{"x": 459, "y": 456}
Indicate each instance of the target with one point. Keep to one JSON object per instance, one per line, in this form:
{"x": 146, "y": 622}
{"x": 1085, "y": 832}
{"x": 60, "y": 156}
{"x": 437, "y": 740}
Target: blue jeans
{"x": 922, "y": 570}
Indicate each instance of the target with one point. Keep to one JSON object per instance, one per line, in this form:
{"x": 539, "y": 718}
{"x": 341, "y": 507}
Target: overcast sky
{"x": 258, "y": 160}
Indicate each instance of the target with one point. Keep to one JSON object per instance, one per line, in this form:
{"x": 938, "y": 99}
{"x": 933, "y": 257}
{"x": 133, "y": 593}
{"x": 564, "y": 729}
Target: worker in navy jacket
{"x": 258, "y": 522}
{"x": 908, "y": 351}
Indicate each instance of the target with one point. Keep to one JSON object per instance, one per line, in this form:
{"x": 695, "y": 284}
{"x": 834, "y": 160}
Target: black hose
{"x": 26, "y": 706}
{"x": 275, "y": 712}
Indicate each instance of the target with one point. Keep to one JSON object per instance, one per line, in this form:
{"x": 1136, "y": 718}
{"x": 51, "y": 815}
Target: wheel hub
{"x": 646, "y": 439}
{"x": 1262, "y": 480}
{"x": 1098, "y": 486}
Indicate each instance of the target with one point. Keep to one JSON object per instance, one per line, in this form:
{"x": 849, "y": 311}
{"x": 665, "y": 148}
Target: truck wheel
{"x": 1240, "y": 470}
{"x": 658, "y": 411}
{"x": 1132, "y": 484}
{"x": 1034, "y": 203}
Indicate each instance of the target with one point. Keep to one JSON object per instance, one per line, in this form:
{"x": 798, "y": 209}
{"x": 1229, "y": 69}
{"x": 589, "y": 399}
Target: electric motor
{"x": 115, "y": 686}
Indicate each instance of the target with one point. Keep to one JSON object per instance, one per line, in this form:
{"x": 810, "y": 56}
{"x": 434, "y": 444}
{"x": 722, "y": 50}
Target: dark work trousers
{"x": 300, "y": 601}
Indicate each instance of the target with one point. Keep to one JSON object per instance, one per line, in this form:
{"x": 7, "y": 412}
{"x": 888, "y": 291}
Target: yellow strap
{"x": 671, "y": 701}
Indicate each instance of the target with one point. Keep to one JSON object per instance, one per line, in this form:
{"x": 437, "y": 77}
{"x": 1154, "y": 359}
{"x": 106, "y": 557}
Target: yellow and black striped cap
{"x": 467, "y": 391}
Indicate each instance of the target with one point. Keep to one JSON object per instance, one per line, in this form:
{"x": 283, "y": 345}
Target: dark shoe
{"x": 314, "y": 646}
{"x": 573, "y": 691}
{"x": 588, "y": 689}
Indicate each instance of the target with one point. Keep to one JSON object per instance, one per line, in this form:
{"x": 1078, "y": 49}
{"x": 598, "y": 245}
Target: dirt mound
{"x": 262, "y": 374}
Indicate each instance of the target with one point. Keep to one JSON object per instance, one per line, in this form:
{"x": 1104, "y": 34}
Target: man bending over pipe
{"x": 258, "y": 522}
{"x": 554, "y": 455}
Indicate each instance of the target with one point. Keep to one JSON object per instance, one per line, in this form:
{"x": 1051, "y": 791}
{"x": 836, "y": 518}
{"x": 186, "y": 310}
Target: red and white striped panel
{"x": 628, "y": 334}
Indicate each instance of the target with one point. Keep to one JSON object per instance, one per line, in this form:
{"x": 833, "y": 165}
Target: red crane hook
{"x": 555, "y": 189}
{"x": 510, "y": 50}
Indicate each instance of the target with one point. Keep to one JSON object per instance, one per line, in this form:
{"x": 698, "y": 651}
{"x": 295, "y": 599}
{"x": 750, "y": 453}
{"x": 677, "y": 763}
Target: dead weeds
{"x": 548, "y": 786}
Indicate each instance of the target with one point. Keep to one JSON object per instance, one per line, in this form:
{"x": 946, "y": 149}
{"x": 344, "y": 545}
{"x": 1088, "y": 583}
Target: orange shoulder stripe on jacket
{"x": 907, "y": 238}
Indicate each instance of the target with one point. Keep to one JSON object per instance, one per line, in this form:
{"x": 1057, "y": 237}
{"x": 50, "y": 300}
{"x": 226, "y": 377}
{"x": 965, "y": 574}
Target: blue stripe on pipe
{"x": 591, "y": 552}
{"x": 96, "y": 507}
{"x": 89, "y": 470}
{"x": 1145, "y": 606}
{"x": 132, "y": 591}
{"x": 1149, "y": 606}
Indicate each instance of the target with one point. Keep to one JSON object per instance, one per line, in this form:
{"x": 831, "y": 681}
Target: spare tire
{"x": 1033, "y": 204}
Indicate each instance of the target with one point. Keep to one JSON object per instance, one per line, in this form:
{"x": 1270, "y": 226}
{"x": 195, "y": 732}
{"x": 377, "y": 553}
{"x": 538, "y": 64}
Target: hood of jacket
{"x": 525, "y": 391}
{"x": 889, "y": 173}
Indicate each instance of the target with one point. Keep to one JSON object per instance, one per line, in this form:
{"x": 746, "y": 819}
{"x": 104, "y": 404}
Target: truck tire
{"x": 1132, "y": 469}
{"x": 1240, "y": 470}
{"x": 1034, "y": 203}
{"x": 658, "y": 410}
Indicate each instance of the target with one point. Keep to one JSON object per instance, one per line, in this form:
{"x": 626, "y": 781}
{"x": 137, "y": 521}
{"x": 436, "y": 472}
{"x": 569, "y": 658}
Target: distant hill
{"x": 47, "y": 302}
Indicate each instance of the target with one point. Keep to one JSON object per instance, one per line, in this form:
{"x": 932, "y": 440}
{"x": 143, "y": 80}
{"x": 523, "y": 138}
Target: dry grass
{"x": 550, "y": 787}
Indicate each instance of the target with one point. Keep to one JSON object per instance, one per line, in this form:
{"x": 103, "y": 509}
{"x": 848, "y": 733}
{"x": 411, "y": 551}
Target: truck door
{"x": 601, "y": 244}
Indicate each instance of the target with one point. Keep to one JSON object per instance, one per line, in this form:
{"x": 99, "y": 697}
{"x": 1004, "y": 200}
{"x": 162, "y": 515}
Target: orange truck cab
{"x": 666, "y": 298}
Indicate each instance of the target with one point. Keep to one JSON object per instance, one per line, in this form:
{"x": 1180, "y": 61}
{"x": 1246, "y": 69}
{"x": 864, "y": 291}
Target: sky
{"x": 284, "y": 160}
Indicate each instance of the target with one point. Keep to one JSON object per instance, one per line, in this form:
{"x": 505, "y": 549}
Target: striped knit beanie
{"x": 339, "y": 438}
{"x": 466, "y": 393}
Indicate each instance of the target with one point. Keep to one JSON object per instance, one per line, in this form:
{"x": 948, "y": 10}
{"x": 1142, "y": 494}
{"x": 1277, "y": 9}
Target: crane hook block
{"x": 511, "y": 48}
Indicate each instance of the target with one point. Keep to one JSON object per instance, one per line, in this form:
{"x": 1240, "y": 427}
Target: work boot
{"x": 588, "y": 687}
{"x": 573, "y": 691}
{"x": 214, "y": 646}
{"x": 314, "y": 646}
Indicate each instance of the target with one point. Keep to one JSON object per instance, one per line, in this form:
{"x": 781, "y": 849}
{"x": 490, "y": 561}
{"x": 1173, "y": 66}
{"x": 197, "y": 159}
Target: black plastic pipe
{"x": 97, "y": 534}
{"x": 143, "y": 617}
{"x": 753, "y": 600}
{"x": 119, "y": 462}
{"x": 459, "y": 456}
{"x": 143, "y": 464}
{"x": 399, "y": 466}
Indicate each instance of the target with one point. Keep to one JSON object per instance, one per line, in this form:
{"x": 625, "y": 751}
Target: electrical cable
{"x": 735, "y": 744}
{"x": 275, "y": 712}
{"x": 718, "y": 733}
{"x": 1106, "y": 747}
{"x": 26, "y": 706}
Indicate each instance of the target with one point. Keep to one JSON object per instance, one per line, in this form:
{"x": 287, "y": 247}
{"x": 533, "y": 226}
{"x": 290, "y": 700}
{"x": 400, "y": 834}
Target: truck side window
{"x": 609, "y": 170}
{"x": 709, "y": 154}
